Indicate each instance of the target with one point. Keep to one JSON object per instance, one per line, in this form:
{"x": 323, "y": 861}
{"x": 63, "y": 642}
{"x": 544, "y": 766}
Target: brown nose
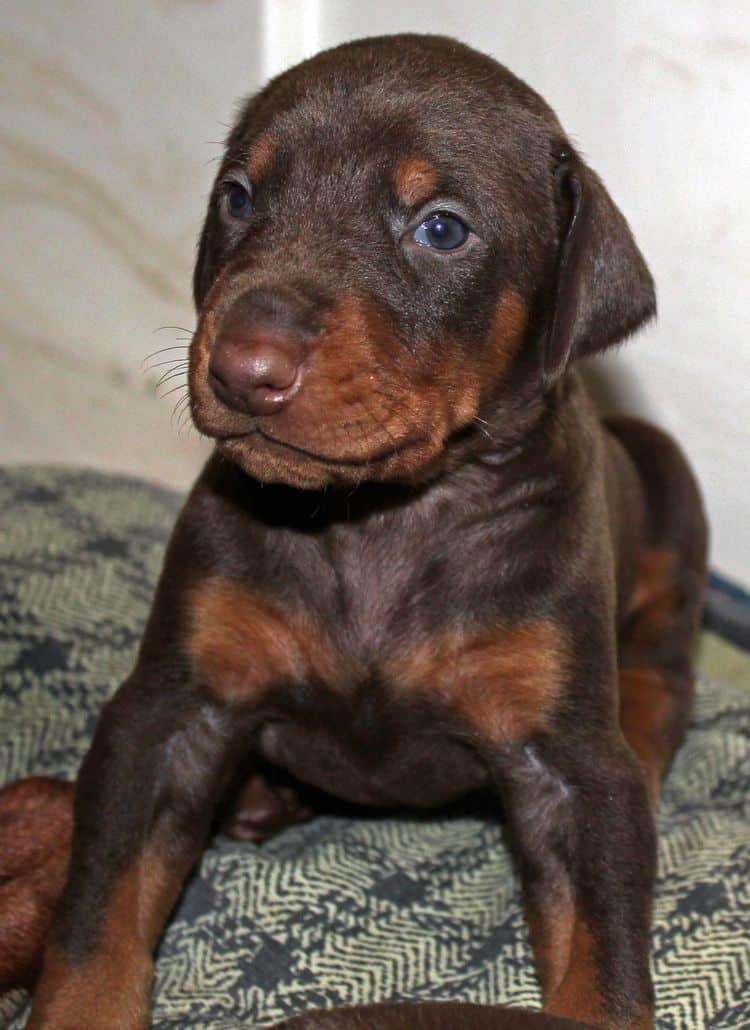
{"x": 256, "y": 360}
{"x": 255, "y": 373}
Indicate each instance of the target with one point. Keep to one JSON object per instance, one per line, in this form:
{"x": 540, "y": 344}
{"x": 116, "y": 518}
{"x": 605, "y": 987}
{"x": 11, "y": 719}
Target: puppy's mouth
{"x": 378, "y": 454}
{"x": 270, "y": 458}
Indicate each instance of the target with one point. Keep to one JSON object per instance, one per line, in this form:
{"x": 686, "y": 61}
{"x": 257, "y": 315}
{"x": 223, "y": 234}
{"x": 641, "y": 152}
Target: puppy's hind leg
{"x": 658, "y": 633}
{"x": 36, "y": 828}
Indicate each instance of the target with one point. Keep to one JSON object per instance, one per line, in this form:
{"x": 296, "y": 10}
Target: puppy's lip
{"x": 386, "y": 452}
{"x": 233, "y": 437}
{"x": 326, "y": 459}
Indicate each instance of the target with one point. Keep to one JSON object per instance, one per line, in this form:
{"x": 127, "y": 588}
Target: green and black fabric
{"x": 342, "y": 910}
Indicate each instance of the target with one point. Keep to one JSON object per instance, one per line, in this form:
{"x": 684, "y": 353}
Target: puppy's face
{"x": 381, "y": 247}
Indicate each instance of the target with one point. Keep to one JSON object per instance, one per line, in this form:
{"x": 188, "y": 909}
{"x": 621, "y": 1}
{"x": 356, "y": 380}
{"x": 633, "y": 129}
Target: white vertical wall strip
{"x": 291, "y": 32}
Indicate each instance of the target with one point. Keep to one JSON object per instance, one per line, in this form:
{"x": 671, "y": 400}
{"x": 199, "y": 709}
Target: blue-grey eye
{"x": 239, "y": 202}
{"x": 442, "y": 231}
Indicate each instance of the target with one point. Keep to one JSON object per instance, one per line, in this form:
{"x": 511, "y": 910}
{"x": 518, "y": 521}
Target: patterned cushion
{"x": 339, "y": 910}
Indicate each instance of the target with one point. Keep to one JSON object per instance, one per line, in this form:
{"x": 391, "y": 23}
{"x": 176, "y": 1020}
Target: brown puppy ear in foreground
{"x": 36, "y": 828}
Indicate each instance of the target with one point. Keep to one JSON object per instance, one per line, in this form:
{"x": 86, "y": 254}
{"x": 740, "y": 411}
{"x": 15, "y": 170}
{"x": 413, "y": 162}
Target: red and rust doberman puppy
{"x": 418, "y": 563}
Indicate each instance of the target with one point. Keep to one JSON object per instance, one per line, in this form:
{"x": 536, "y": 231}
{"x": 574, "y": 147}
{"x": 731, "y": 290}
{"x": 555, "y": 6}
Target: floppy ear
{"x": 604, "y": 289}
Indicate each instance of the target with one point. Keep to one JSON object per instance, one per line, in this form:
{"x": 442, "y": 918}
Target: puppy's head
{"x": 399, "y": 239}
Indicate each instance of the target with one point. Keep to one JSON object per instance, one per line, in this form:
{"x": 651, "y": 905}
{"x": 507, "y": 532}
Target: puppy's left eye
{"x": 441, "y": 231}
{"x": 239, "y": 203}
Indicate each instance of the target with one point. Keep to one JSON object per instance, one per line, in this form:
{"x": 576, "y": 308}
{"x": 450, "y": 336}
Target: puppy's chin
{"x": 272, "y": 462}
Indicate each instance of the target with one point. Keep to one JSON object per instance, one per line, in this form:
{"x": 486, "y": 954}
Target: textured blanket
{"x": 340, "y": 910}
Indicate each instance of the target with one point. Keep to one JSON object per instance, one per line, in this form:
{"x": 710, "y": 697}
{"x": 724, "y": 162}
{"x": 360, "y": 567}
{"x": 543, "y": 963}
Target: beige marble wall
{"x": 109, "y": 117}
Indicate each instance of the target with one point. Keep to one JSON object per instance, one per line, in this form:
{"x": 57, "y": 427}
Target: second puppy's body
{"x": 418, "y": 563}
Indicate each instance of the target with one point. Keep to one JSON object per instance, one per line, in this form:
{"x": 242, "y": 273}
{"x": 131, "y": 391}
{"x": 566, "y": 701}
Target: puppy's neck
{"x": 521, "y": 447}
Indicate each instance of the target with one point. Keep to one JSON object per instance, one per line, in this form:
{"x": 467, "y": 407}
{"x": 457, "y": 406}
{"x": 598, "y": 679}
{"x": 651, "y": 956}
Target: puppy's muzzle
{"x": 257, "y": 362}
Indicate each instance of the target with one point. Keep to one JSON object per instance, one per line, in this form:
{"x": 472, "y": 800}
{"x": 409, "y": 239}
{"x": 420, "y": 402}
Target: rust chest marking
{"x": 503, "y": 683}
{"x": 242, "y": 644}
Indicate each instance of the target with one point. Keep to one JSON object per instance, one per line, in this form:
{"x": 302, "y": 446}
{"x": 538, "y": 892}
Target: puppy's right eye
{"x": 238, "y": 201}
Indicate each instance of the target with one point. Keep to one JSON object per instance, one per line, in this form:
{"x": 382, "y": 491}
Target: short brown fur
{"x": 503, "y": 683}
{"x": 645, "y": 706}
{"x": 242, "y": 644}
{"x": 415, "y": 180}
{"x": 261, "y": 158}
{"x": 656, "y": 597}
{"x": 578, "y": 995}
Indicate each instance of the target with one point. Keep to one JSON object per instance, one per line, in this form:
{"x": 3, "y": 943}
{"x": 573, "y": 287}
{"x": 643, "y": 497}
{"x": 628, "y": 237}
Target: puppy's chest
{"x": 375, "y": 656}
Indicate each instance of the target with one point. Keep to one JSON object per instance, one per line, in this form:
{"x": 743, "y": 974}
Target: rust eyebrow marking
{"x": 505, "y": 683}
{"x": 241, "y": 643}
{"x": 261, "y": 156}
{"x": 415, "y": 180}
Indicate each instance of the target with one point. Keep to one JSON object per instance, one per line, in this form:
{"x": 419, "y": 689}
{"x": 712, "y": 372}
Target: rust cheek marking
{"x": 656, "y": 598}
{"x": 366, "y": 371}
{"x": 357, "y": 354}
{"x": 241, "y": 644}
{"x": 415, "y": 180}
{"x": 261, "y": 156}
{"x": 508, "y": 325}
{"x": 378, "y": 398}
{"x": 363, "y": 377}
{"x": 481, "y": 376}
{"x": 340, "y": 405}
{"x": 504, "y": 683}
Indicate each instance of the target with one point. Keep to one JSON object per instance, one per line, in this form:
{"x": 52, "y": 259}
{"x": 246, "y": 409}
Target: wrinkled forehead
{"x": 359, "y": 124}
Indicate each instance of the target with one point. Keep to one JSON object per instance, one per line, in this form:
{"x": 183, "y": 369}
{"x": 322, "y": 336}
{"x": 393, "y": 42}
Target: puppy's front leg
{"x": 579, "y": 810}
{"x": 161, "y": 754}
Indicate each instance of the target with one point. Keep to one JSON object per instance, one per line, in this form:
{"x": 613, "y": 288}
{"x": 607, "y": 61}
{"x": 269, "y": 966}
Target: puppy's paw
{"x": 36, "y": 828}
{"x": 263, "y": 808}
